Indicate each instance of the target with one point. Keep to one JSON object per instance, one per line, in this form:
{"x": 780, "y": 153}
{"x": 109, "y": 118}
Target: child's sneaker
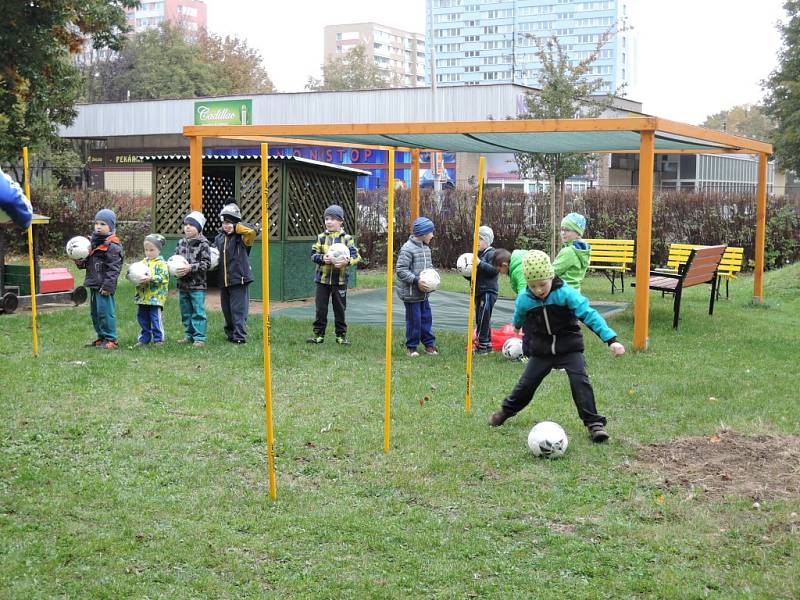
{"x": 95, "y": 344}
{"x": 198, "y": 343}
{"x": 109, "y": 345}
{"x": 483, "y": 351}
{"x": 431, "y": 350}
{"x": 598, "y": 432}
{"x": 158, "y": 344}
{"x": 342, "y": 341}
{"x": 412, "y": 352}
{"x": 139, "y": 345}
{"x": 184, "y": 341}
{"x": 523, "y": 360}
{"x": 317, "y": 339}
{"x": 499, "y": 417}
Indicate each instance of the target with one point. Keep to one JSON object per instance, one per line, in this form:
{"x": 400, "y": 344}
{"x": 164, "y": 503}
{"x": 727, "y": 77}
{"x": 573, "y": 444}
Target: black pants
{"x": 338, "y": 296}
{"x": 235, "y": 301}
{"x": 484, "y": 304}
{"x": 537, "y": 369}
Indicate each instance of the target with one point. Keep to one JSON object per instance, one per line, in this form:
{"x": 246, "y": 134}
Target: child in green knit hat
{"x": 572, "y": 261}
{"x": 548, "y": 311}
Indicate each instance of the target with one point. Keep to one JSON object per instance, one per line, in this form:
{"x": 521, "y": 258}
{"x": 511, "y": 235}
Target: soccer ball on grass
{"x": 548, "y": 439}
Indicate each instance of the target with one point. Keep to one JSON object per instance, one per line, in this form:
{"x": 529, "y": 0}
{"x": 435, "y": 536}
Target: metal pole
{"x": 387, "y": 382}
{"x": 273, "y": 489}
{"x": 471, "y": 318}
{"x": 31, "y": 258}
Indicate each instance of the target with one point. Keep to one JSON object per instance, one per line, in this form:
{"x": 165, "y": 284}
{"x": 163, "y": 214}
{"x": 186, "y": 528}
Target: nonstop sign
{"x": 223, "y": 112}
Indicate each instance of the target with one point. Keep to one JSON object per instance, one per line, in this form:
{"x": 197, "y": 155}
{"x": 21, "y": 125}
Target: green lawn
{"x": 142, "y": 473}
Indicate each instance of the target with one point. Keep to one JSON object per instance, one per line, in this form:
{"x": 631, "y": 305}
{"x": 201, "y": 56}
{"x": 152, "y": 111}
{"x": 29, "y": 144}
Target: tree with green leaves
{"x": 782, "y": 102}
{"x": 165, "y": 62}
{"x": 39, "y": 83}
{"x": 352, "y": 70}
{"x": 567, "y": 92}
{"x": 747, "y": 120}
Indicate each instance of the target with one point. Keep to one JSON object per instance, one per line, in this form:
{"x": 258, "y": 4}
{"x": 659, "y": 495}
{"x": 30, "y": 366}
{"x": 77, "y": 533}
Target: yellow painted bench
{"x": 612, "y": 258}
{"x": 729, "y": 266}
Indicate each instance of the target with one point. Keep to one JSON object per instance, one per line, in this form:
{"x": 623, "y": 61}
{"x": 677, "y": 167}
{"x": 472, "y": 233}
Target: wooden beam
{"x": 644, "y": 226}
{"x": 196, "y": 173}
{"x": 761, "y": 229}
{"x": 711, "y": 135}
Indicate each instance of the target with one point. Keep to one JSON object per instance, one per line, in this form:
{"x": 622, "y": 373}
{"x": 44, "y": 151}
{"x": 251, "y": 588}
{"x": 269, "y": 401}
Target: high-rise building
{"x": 400, "y": 55}
{"x": 190, "y": 14}
{"x": 478, "y": 42}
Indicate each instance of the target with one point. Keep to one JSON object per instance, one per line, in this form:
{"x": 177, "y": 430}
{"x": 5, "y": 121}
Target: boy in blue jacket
{"x": 549, "y": 312}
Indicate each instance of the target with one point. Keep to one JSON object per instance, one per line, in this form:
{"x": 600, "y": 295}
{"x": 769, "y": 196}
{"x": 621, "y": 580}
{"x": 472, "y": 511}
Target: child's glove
{"x": 617, "y": 349}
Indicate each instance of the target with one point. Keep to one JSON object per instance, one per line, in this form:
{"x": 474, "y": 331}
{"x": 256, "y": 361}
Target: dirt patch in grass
{"x": 730, "y": 463}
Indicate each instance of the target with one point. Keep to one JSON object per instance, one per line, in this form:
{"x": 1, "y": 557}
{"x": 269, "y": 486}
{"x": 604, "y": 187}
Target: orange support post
{"x": 414, "y": 184}
{"x": 196, "y": 173}
{"x": 644, "y": 227}
{"x": 761, "y": 229}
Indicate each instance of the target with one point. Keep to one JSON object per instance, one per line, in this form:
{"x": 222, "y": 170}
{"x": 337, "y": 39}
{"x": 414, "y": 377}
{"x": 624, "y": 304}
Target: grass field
{"x": 142, "y": 473}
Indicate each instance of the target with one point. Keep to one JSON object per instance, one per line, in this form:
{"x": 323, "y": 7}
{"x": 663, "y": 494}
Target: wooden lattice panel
{"x": 250, "y": 196}
{"x": 219, "y": 189}
{"x": 172, "y": 198}
{"x": 310, "y": 192}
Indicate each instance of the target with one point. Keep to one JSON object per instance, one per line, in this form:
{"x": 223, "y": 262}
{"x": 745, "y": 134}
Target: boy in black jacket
{"x": 235, "y": 276}
{"x": 486, "y": 287}
{"x": 103, "y": 266}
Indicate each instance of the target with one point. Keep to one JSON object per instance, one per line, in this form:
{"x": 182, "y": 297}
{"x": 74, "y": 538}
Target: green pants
{"x": 104, "y": 315}
{"x": 193, "y": 314}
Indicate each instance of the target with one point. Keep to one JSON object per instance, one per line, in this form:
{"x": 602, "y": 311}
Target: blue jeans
{"x": 193, "y": 314}
{"x": 104, "y": 315}
{"x": 419, "y": 322}
{"x": 149, "y": 317}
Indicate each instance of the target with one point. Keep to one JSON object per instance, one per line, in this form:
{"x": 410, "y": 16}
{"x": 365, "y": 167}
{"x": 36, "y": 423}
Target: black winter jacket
{"x": 234, "y": 255}
{"x": 487, "y": 273}
{"x": 103, "y": 265}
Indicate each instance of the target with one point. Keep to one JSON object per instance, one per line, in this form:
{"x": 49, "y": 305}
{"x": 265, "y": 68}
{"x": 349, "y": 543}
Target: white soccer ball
{"x": 512, "y": 348}
{"x": 138, "y": 272}
{"x": 214, "y": 258}
{"x": 336, "y": 252}
{"x": 548, "y": 439}
{"x": 176, "y": 262}
{"x": 430, "y": 278}
{"x": 464, "y": 264}
{"x": 78, "y": 247}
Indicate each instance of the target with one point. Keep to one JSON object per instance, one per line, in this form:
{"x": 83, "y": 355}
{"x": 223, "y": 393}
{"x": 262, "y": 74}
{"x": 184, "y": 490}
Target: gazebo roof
{"x": 211, "y": 158}
{"x": 619, "y": 135}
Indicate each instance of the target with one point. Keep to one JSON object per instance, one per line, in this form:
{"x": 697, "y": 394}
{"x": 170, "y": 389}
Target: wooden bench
{"x": 700, "y": 267}
{"x": 612, "y": 257}
{"x": 730, "y": 265}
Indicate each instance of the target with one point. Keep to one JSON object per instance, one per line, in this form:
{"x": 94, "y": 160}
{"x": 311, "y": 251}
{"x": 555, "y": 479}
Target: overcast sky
{"x": 695, "y": 57}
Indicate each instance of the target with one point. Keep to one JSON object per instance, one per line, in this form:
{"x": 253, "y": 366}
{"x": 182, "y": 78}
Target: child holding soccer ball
{"x": 487, "y": 286}
{"x": 331, "y": 276}
{"x": 151, "y": 293}
{"x": 193, "y": 246}
{"x": 103, "y": 266}
{"x": 235, "y": 275}
{"x": 415, "y": 257}
{"x": 549, "y": 310}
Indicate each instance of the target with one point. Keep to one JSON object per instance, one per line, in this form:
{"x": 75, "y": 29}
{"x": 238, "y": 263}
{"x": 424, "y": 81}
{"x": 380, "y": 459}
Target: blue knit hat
{"x": 574, "y": 222}
{"x": 421, "y": 226}
{"x": 107, "y": 216}
{"x": 335, "y": 211}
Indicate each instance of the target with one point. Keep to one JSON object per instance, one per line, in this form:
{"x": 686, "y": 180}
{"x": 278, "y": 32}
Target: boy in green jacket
{"x": 572, "y": 261}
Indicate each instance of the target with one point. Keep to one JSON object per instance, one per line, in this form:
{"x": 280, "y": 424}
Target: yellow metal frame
{"x": 646, "y": 127}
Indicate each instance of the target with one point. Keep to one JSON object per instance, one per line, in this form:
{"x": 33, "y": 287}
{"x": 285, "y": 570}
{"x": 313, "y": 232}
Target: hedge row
{"x": 523, "y": 221}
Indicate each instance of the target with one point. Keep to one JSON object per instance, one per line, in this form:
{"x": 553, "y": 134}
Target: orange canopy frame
{"x": 645, "y": 136}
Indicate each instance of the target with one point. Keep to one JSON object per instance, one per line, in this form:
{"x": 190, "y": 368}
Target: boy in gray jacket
{"x": 415, "y": 257}
{"x": 192, "y": 279}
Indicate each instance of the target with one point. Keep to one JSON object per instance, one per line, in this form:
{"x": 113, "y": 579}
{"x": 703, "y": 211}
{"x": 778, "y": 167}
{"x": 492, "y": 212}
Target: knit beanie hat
{"x": 421, "y": 226}
{"x": 107, "y": 216}
{"x": 485, "y": 233}
{"x": 156, "y": 239}
{"x": 196, "y": 219}
{"x": 574, "y": 222}
{"x": 335, "y": 211}
{"x": 536, "y": 265}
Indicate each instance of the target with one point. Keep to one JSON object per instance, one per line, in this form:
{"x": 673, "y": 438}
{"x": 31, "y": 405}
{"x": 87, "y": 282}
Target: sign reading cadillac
{"x": 223, "y": 112}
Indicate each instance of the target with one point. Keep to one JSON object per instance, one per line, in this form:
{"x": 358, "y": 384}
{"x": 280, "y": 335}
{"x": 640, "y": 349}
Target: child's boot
{"x": 342, "y": 340}
{"x": 598, "y": 432}
{"x": 499, "y": 417}
{"x": 317, "y": 339}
